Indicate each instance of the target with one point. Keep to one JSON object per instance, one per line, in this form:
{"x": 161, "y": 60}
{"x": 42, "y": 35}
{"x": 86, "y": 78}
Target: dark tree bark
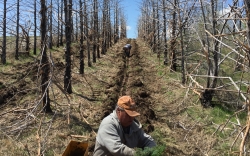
{"x": 165, "y": 51}
{"x": 81, "y": 40}
{"x": 116, "y": 25}
{"x": 94, "y": 30}
{"x": 109, "y": 32}
{"x": 182, "y": 48}
{"x": 154, "y": 27}
{"x": 87, "y": 32}
{"x": 58, "y": 23}
{"x": 44, "y": 63}
{"x": 61, "y": 36}
{"x": 215, "y": 45}
{"x": 35, "y": 26}
{"x": 158, "y": 30}
{"x": 104, "y": 27}
{"x": 50, "y": 26}
{"x": 97, "y": 31}
{"x": 68, "y": 26}
{"x": 173, "y": 40}
{"x": 3, "y": 58}
{"x": 17, "y": 32}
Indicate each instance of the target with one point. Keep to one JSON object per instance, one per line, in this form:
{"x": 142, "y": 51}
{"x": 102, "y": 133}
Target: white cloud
{"x": 128, "y": 27}
{"x": 224, "y": 11}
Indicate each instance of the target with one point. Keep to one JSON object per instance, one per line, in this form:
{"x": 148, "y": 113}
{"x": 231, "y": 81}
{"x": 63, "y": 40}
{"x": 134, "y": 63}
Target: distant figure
{"x": 126, "y": 49}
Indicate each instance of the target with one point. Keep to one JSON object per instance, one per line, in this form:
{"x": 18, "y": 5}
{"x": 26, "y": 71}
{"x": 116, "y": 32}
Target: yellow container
{"x": 76, "y": 148}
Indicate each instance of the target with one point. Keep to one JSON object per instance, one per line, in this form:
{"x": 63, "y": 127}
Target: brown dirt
{"x": 160, "y": 99}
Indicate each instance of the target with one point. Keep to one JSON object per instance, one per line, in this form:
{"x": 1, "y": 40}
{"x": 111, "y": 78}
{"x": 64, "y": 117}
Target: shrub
{"x": 153, "y": 151}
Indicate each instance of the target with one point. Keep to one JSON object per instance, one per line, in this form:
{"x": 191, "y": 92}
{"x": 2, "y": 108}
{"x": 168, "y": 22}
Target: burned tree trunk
{"x": 165, "y": 51}
{"x": 81, "y": 40}
{"x": 44, "y": 63}
{"x": 17, "y": 31}
{"x": 3, "y": 55}
{"x": 173, "y": 40}
{"x": 94, "y": 30}
{"x": 35, "y": 26}
{"x": 67, "y": 76}
{"x": 61, "y": 34}
{"x": 58, "y": 23}
{"x": 50, "y": 26}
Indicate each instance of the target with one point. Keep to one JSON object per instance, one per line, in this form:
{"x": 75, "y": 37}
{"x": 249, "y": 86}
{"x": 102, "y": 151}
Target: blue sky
{"x": 132, "y": 12}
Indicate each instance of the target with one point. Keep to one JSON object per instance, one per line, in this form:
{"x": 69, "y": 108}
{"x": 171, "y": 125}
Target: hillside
{"x": 171, "y": 113}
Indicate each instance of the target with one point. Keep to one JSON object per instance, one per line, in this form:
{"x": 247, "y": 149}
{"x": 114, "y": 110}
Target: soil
{"x": 160, "y": 99}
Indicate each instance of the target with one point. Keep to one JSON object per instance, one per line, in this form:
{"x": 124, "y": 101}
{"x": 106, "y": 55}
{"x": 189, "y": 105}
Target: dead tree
{"x": 116, "y": 23}
{"x": 45, "y": 68}
{"x": 50, "y": 26}
{"x": 81, "y": 40}
{"x": 173, "y": 39}
{"x": 26, "y": 37}
{"x": 58, "y": 24}
{"x": 61, "y": 33}
{"x": 3, "y": 55}
{"x": 35, "y": 26}
{"x": 68, "y": 26}
{"x": 17, "y": 31}
{"x": 87, "y": 33}
{"x": 165, "y": 49}
{"x": 95, "y": 35}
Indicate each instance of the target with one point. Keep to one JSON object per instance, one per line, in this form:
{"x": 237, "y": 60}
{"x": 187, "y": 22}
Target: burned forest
{"x": 63, "y": 67}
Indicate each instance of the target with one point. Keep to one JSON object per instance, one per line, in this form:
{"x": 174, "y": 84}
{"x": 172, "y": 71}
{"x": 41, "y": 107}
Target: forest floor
{"x": 161, "y": 99}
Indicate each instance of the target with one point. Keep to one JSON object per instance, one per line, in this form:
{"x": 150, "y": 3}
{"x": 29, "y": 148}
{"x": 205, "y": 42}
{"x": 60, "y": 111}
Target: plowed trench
{"x": 129, "y": 81}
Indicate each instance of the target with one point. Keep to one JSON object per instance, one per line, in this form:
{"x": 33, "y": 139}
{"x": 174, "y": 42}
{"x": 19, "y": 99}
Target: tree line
{"x": 200, "y": 39}
{"x": 95, "y": 25}
{"x": 208, "y": 43}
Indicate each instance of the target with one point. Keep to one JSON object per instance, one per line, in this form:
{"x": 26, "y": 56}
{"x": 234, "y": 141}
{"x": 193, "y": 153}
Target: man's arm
{"x": 145, "y": 140}
{"x": 108, "y": 137}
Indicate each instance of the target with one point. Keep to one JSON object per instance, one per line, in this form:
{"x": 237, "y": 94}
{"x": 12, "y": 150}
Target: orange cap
{"x": 127, "y": 103}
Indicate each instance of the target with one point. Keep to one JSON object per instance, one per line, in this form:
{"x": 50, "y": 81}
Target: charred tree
{"x": 94, "y": 31}
{"x": 81, "y": 40}
{"x": 17, "y": 31}
{"x": 158, "y": 30}
{"x": 50, "y": 26}
{"x": 116, "y": 24}
{"x": 87, "y": 33}
{"x": 154, "y": 27}
{"x": 97, "y": 35}
{"x": 3, "y": 55}
{"x": 165, "y": 49}
{"x": 68, "y": 26}
{"x": 58, "y": 24}
{"x": 104, "y": 27}
{"x": 45, "y": 68}
{"x": 61, "y": 34}
{"x": 35, "y": 26}
{"x": 173, "y": 39}
{"x": 182, "y": 47}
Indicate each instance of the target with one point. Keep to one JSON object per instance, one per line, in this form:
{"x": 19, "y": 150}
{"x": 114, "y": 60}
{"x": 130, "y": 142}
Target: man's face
{"x": 124, "y": 118}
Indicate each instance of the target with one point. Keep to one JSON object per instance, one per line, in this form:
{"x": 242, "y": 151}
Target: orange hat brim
{"x": 132, "y": 113}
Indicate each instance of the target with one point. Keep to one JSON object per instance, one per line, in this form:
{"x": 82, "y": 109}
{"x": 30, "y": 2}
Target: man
{"x": 126, "y": 49}
{"x": 120, "y": 132}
